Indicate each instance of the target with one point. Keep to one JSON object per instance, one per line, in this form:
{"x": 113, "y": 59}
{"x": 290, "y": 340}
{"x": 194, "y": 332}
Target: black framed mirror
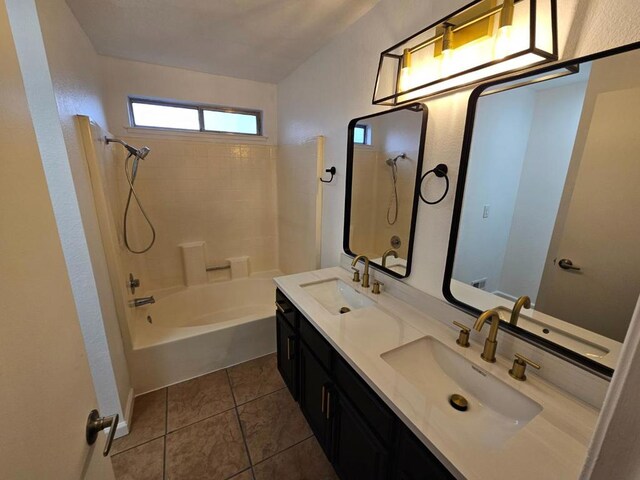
{"x": 547, "y": 206}
{"x": 384, "y": 163}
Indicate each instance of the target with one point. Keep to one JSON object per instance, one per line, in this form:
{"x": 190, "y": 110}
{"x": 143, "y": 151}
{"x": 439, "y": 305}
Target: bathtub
{"x": 191, "y": 331}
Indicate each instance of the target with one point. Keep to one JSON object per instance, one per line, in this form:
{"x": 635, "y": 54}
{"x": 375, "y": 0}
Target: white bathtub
{"x": 191, "y": 331}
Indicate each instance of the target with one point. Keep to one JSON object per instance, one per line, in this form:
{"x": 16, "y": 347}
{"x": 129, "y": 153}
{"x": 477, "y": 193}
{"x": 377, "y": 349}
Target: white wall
{"x": 553, "y": 132}
{"x": 336, "y": 84}
{"x": 124, "y": 78}
{"x": 58, "y": 87}
{"x": 498, "y": 150}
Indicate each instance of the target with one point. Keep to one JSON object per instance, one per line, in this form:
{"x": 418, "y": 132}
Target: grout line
{"x": 284, "y": 450}
{"x": 233, "y": 395}
{"x": 261, "y": 396}
{"x": 182, "y": 427}
{"x": 166, "y": 426}
{"x": 244, "y": 437}
{"x": 136, "y": 446}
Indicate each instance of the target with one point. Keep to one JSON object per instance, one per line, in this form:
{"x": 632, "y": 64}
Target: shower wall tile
{"x": 222, "y": 194}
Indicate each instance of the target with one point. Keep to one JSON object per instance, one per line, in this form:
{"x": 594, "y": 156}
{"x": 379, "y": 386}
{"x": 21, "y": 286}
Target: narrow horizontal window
{"x": 164, "y": 116}
{"x": 231, "y": 122}
{"x": 202, "y": 118}
{"x": 360, "y": 135}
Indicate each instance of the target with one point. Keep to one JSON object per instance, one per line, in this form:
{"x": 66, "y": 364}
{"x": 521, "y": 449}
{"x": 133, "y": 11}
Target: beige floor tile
{"x": 211, "y": 449}
{"x": 255, "y": 378}
{"x": 197, "y": 399}
{"x": 148, "y": 421}
{"x": 144, "y": 462}
{"x": 271, "y": 424}
{"x": 305, "y": 461}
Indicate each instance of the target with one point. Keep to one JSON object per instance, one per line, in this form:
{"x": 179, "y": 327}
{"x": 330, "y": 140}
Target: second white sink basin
{"x": 336, "y": 296}
{"x": 495, "y": 409}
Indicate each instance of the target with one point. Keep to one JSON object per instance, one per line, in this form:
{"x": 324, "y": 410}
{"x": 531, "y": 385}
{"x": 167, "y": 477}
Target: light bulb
{"x": 502, "y": 45}
{"x": 405, "y": 72}
{"x": 447, "y": 63}
{"x": 405, "y": 78}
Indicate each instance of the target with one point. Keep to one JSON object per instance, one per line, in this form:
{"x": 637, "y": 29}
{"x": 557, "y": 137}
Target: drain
{"x": 344, "y": 310}
{"x": 149, "y": 319}
{"x": 459, "y": 402}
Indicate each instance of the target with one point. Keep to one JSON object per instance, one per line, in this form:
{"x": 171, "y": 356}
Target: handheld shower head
{"x": 392, "y": 161}
{"x": 141, "y": 153}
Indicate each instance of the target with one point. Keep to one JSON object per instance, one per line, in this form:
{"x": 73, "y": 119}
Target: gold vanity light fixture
{"x": 485, "y": 39}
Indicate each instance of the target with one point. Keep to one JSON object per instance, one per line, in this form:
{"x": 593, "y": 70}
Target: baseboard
{"x": 123, "y": 425}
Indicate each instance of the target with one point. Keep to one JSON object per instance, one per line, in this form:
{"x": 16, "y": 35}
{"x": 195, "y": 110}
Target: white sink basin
{"x": 557, "y": 335}
{"x": 496, "y": 410}
{"x": 335, "y": 295}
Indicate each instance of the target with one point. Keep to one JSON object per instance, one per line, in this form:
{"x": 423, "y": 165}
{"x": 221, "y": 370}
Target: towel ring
{"x": 439, "y": 171}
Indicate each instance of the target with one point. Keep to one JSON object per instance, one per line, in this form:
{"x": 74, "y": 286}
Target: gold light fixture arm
{"x": 506, "y": 13}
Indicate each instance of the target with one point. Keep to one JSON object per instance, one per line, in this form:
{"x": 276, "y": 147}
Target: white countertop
{"x": 552, "y": 445}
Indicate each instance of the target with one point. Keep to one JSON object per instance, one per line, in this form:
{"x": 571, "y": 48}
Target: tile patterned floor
{"x": 240, "y": 423}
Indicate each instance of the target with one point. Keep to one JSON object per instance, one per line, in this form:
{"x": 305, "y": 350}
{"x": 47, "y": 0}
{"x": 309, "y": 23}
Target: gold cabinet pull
{"x": 289, "y": 342}
{"x": 322, "y": 401}
{"x": 280, "y": 308}
{"x": 328, "y": 404}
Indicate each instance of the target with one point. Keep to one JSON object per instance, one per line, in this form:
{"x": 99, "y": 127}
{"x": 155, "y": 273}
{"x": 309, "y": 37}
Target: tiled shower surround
{"x": 221, "y": 193}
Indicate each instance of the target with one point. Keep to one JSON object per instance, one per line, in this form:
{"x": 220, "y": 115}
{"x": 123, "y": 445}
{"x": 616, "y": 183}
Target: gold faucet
{"x": 391, "y": 252}
{"x": 490, "y": 344}
{"x": 365, "y": 275}
{"x": 523, "y": 301}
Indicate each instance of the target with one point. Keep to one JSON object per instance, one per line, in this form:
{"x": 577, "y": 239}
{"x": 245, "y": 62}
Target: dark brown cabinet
{"x": 360, "y": 435}
{"x": 315, "y": 397}
{"x": 356, "y": 452}
{"x": 287, "y": 341}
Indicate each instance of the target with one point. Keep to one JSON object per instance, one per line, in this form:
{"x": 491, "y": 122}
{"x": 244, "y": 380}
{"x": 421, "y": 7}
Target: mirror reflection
{"x": 385, "y": 158}
{"x": 550, "y": 207}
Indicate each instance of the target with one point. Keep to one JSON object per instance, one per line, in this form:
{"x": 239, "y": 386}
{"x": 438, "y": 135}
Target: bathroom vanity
{"x": 375, "y": 384}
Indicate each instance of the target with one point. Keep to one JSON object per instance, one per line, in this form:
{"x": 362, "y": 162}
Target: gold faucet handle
{"x": 520, "y": 366}
{"x": 356, "y": 274}
{"x": 376, "y": 287}
{"x": 463, "y": 337}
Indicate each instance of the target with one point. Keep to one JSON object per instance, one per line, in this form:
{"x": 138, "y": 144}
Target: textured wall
{"x": 335, "y": 85}
{"x": 125, "y": 78}
{"x": 298, "y": 205}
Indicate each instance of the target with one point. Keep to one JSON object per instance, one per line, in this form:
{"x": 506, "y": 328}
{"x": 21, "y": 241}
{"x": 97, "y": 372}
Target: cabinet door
{"x": 287, "y": 354}
{"x": 415, "y": 461}
{"x": 357, "y": 454}
{"x": 315, "y": 385}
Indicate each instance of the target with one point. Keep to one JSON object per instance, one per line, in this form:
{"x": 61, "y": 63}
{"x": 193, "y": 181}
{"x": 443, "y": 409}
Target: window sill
{"x": 196, "y": 136}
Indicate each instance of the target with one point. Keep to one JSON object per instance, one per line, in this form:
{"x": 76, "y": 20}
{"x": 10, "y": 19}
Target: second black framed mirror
{"x": 545, "y": 226}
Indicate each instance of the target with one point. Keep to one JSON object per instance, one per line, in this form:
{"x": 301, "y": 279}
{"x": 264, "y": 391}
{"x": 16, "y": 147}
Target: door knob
{"x": 567, "y": 264}
{"x": 96, "y": 423}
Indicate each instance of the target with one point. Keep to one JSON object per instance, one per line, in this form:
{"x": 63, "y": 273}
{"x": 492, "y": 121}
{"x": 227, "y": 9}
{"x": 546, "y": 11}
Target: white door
{"x": 46, "y": 390}
{"x": 601, "y": 227}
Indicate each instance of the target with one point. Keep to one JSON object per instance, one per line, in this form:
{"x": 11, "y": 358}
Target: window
{"x": 360, "y": 134}
{"x": 199, "y": 118}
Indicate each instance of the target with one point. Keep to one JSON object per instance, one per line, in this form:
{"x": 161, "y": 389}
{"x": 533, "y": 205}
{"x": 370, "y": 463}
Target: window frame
{"x": 367, "y": 140}
{"x": 200, "y": 108}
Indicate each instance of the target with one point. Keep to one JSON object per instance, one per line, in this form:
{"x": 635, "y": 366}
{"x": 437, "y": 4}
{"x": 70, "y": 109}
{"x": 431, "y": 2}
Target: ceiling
{"x": 262, "y": 40}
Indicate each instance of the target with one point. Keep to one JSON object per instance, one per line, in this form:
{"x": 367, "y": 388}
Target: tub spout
{"x": 139, "y": 302}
